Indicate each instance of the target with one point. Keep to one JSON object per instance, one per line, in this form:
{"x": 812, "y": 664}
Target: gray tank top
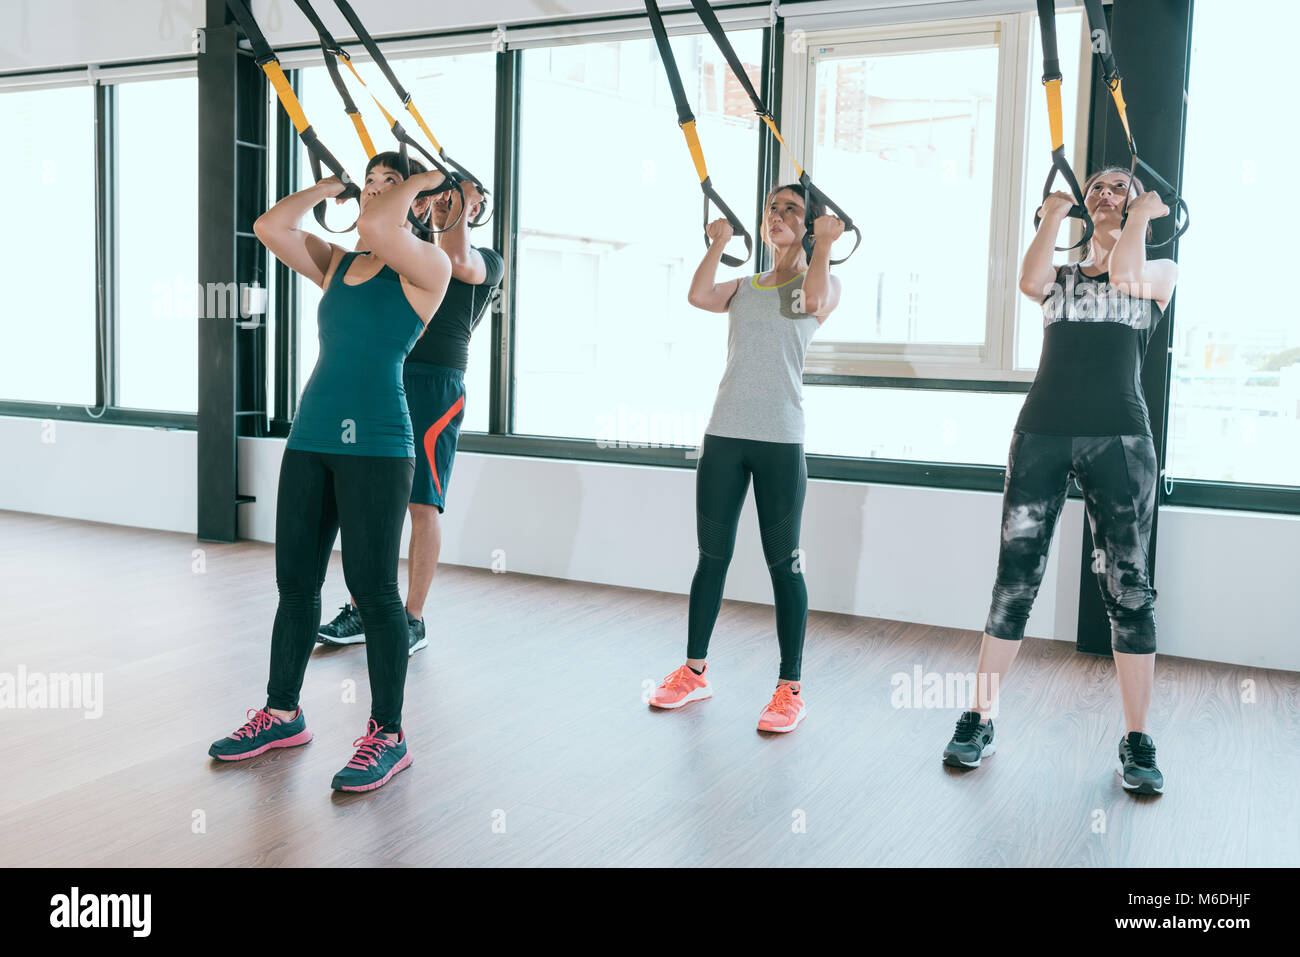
{"x": 761, "y": 393}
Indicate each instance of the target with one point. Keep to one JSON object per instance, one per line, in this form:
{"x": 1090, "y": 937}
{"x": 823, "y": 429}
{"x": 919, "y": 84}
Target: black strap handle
{"x": 1078, "y": 211}
{"x": 737, "y": 227}
{"x": 719, "y": 35}
{"x": 317, "y": 154}
{"x": 1052, "y": 72}
{"x": 811, "y": 191}
{"x": 382, "y": 62}
{"x": 1168, "y": 194}
{"x": 686, "y": 118}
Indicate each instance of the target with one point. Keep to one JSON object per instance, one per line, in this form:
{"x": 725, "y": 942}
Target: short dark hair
{"x": 393, "y": 160}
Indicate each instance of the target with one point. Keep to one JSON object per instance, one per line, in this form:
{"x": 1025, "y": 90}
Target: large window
{"x": 157, "y": 251}
{"x": 908, "y": 130}
{"x": 904, "y": 138}
{"x": 610, "y": 234}
{"x": 47, "y": 253}
{"x": 1235, "y": 404}
{"x": 456, "y": 95}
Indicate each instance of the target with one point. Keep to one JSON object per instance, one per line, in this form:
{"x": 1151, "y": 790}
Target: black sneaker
{"x": 970, "y": 743}
{"x": 345, "y": 629}
{"x": 1137, "y": 765}
{"x": 418, "y": 639}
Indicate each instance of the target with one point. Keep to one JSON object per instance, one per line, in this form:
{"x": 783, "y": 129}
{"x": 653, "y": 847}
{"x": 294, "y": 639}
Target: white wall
{"x": 48, "y": 34}
{"x": 1227, "y": 580}
{"x": 40, "y": 34}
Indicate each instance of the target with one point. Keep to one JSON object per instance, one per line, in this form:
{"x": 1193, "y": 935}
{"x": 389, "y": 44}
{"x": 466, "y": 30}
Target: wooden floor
{"x": 531, "y": 743}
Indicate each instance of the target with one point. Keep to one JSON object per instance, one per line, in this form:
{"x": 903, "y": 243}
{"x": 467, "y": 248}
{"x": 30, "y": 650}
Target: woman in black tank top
{"x": 1085, "y": 418}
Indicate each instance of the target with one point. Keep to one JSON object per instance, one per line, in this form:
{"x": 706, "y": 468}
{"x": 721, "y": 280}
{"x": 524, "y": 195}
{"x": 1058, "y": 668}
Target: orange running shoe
{"x": 681, "y": 687}
{"x": 784, "y": 711}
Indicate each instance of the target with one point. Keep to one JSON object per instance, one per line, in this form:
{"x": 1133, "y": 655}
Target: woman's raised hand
{"x": 828, "y": 227}
{"x": 332, "y": 186}
{"x": 429, "y": 180}
{"x": 1056, "y": 206}
{"x": 1149, "y": 204}
{"x": 719, "y": 231}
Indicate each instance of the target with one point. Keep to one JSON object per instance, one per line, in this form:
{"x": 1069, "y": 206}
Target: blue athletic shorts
{"x": 435, "y": 396}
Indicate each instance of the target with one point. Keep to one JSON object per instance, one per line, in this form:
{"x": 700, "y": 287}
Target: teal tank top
{"x": 354, "y": 403}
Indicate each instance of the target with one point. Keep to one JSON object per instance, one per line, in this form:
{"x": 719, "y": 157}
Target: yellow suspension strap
{"x": 1052, "y": 85}
{"x": 335, "y": 54}
{"x": 686, "y": 120}
{"x": 1168, "y": 194}
{"x": 317, "y": 154}
{"x": 409, "y": 105}
{"x": 814, "y": 196}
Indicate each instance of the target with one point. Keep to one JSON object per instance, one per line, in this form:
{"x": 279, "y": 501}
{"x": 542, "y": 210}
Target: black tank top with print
{"x": 1089, "y": 378}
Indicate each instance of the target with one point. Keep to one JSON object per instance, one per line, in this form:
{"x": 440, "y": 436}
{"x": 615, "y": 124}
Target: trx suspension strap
{"x": 1052, "y": 84}
{"x": 402, "y": 136}
{"x": 1167, "y": 193}
{"x": 334, "y": 53}
{"x": 686, "y": 120}
{"x": 316, "y": 152}
{"x": 811, "y": 191}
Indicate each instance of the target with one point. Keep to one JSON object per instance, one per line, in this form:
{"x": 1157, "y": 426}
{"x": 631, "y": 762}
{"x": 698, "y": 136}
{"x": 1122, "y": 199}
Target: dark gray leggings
{"x": 1118, "y": 476}
{"x": 364, "y": 496}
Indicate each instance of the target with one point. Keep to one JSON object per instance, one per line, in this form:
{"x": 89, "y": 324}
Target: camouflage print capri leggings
{"x": 1118, "y": 476}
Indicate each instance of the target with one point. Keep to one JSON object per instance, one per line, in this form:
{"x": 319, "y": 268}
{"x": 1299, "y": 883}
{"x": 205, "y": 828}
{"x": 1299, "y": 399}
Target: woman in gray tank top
{"x": 757, "y": 430}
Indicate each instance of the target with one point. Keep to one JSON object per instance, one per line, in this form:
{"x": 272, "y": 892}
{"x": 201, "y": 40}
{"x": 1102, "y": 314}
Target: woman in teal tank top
{"x": 350, "y": 457}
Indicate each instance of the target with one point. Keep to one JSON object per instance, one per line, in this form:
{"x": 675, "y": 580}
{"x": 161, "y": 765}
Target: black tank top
{"x": 446, "y": 340}
{"x": 1089, "y": 378}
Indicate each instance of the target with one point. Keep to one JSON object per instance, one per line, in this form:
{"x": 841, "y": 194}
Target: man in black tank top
{"x": 434, "y": 381}
{"x": 1084, "y": 419}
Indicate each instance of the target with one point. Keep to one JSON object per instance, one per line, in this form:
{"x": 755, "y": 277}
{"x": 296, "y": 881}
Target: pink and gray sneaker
{"x": 262, "y": 732}
{"x": 377, "y": 759}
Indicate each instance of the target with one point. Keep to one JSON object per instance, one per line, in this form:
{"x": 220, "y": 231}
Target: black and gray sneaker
{"x": 971, "y": 742}
{"x": 418, "y": 639}
{"x": 345, "y": 629}
{"x": 1137, "y": 764}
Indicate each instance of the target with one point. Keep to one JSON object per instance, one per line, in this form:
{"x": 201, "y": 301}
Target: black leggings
{"x": 1118, "y": 476}
{"x": 364, "y": 496}
{"x": 721, "y": 483}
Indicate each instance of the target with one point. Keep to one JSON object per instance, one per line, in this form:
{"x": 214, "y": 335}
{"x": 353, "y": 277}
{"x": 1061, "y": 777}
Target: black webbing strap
{"x": 1110, "y": 70}
{"x": 317, "y": 154}
{"x": 686, "y": 120}
{"x": 1052, "y": 86}
{"x": 405, "y": 97}
{"x": 711, "y": 24}
{"x": 334, "y": 53}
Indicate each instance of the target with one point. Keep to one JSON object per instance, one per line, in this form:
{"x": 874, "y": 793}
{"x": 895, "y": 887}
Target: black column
{"x": 217, "y": 70}
{"x": 769, "y": 153}
{"x": 1151, "y": 40}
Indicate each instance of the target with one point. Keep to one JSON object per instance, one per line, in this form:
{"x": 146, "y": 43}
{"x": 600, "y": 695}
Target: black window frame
{"x": 501, "y": 439}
